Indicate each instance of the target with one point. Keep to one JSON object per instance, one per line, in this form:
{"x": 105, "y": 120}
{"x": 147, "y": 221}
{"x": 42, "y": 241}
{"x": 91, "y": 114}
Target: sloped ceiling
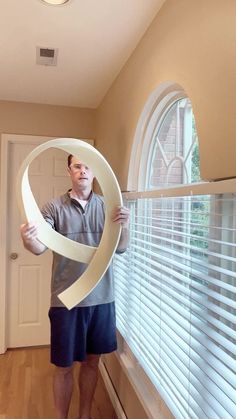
{"x": 94, "y": 39}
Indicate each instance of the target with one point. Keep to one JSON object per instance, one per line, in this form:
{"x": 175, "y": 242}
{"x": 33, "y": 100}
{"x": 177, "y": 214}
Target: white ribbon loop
{"x": 97, "y": 258}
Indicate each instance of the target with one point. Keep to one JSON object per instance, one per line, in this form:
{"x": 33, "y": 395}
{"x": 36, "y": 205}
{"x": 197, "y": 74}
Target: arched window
{"x": 165, "y": 150}
{"x": 174, "y": 154}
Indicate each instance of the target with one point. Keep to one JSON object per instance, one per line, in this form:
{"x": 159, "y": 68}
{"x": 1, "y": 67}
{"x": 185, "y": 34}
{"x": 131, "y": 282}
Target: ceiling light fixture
{"x": 55, "y": 2}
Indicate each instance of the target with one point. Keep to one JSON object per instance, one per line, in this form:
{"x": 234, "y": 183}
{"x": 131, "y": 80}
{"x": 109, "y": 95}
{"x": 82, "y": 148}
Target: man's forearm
{"x": 124, "y": 239}
{"x": 34, "y": 246}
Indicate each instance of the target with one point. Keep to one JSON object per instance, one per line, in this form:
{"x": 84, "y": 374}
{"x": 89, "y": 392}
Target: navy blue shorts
{"x": 81, "y": 331}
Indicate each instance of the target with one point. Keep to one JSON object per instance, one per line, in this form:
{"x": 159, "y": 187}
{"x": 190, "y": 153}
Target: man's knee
{"x": 63, "y": 371}
{"x": 91, "y": 361}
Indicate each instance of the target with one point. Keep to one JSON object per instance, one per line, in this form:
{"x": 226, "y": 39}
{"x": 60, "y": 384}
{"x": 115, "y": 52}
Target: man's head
{"x": 81, "y": 175}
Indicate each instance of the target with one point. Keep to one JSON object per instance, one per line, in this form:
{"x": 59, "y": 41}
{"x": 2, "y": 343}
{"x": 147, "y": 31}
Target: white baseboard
{"x": 111, "y": 392}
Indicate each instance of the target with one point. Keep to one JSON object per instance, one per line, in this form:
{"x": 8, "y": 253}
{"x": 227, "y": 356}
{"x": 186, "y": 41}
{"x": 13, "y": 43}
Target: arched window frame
{"x": 155, "y": 109}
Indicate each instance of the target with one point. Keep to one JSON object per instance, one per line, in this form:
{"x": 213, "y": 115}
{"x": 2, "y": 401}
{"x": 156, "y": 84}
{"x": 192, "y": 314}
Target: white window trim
{"x": 147, "y": 394}
{"x": 154, "y": 110}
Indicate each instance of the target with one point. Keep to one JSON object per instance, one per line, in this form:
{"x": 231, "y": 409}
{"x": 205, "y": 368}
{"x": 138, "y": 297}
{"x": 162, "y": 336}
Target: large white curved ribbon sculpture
{"x": 98, "y": 259}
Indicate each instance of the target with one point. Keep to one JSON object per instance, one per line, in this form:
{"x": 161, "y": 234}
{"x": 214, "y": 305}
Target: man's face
{"x": 81, "y": 175}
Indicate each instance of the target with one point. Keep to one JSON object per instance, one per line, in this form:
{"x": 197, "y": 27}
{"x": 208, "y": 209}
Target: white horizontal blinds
{"x": 176, "y": 305}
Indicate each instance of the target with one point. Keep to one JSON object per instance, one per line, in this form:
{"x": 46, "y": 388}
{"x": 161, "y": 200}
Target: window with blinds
{"x": 175, "y": 298}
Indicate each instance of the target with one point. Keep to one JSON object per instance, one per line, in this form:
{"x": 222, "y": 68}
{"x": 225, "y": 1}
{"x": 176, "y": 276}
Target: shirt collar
{"x": 74, "y": 200}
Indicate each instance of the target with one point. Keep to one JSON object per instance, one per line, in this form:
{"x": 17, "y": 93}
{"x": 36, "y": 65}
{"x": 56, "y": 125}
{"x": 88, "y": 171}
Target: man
{"x": 88, "y": 330}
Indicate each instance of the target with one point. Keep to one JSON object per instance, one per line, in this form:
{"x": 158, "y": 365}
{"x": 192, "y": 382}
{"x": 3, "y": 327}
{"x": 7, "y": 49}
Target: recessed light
{"x": 55, "y": 2}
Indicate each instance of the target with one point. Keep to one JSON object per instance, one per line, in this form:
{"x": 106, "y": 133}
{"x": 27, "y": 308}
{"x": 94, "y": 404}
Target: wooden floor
{"x": 26, "y": 388}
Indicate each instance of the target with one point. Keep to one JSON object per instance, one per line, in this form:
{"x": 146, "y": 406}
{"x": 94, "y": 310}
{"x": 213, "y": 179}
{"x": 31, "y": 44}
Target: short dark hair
{"x": 69, "y": 159}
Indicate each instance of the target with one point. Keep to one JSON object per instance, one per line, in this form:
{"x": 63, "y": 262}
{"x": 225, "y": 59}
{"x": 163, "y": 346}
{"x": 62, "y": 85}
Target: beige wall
{"x": 192, "y": 43}
{"x": 55, "y": 121}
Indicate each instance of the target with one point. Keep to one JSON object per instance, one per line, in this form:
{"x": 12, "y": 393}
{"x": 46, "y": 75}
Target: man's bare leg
{"x": 88, "y": 377}
{"x": 62, "y": 388}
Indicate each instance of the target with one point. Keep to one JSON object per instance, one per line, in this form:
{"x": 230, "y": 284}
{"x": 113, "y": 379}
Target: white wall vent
{"x": 46, "y": 56}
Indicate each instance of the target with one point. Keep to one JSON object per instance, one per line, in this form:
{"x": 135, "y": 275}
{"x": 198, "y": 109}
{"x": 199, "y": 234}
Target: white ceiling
{"x": 94, "y": 38}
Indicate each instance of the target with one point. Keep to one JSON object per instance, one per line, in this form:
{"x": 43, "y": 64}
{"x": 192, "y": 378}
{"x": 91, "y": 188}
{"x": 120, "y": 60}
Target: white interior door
{"x": 28, "y": 284}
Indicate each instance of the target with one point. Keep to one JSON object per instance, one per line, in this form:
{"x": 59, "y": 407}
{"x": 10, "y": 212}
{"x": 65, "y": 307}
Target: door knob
{"x": 13, "y": 256}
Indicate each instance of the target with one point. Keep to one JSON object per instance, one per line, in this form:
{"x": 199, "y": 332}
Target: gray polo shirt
{"x": 68, "y": 217}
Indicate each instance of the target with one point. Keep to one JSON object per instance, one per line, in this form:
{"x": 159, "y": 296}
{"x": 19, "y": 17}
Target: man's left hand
{"x": 121, "y": 216}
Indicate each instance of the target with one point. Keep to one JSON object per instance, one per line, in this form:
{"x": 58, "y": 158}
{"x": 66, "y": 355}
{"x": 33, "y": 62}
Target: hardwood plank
{"x": 26, "y": 377}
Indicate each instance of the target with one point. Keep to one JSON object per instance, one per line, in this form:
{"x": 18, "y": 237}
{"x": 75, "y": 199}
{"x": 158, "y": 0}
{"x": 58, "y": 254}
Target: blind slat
{"x": 177, "y": 291}
{"x": 195, "y": 295}
{"x": 194, "y": 284}
{"x": 147, "y": 246}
